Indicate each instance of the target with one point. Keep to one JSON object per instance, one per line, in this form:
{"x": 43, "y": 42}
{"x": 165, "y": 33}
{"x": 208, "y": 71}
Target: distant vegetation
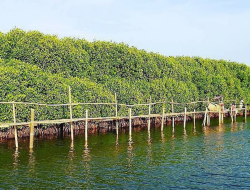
{"x": 39, "y": 68}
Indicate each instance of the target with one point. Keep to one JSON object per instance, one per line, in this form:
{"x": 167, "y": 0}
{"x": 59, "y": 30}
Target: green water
{"x": 215, "y": 157}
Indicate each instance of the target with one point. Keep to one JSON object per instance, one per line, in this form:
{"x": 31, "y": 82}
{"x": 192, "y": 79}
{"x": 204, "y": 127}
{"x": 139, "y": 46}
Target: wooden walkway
{"x": 116, "y": 118}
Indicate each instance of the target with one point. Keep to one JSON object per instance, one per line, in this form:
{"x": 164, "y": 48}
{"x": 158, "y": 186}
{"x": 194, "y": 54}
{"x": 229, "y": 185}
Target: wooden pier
{"x": 32, "y": 123}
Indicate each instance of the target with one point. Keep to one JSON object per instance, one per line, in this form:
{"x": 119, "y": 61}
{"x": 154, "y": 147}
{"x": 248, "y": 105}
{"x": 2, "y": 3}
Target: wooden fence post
{"x": 172, "y": 112}
{"x": 32, "y": 117}
{"x": 162, "y": 119}
{"x": 15, "y": 127}
{"x": 149, "y": 113}
{"x": 116, "y": 114}
{"x": 185, "y": 117}
{"x": 246, "y": 112}
{"x": 194, "y": 117}
{"x": 219, "y": 116}
{"x": 86, "y": 127}
{"x": 231, "y": 113}
{"x": 71, "y": 116}
{"x": 130, "y": 123}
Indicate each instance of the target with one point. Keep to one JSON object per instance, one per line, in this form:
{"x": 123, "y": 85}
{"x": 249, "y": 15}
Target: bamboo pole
{"x": 162, "y": 119}
{"x": 86, "y": 127}
{"x": 116, "y": 106}
{"x": 149, "y": 113}
{"x": 219, "y": 116}
{"x": 15, "y": 127}
{"x": 116, "y": 114}
{"x": 32, "y": 116}
{"x": 71, "y": 116}
{"x": 235, "y": 114}
{"x": 205, "y": 118}
{"x": 194, "y": 117}
{"x": 246, "y": 112}
{"x": 172, "y": 105}
{"x": 231, "y": 113}
{"x": 185, "y": 117}
{"x": 130, "y": 123}
{"x": 117, "y": 127}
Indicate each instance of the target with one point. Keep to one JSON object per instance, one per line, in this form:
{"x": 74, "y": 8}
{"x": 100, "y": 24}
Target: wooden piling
{"x": 205, "y": 118}
{"x": 71, "y": 116}
{"x": 130, "y": 123}
{"x": 235, "y": 114}
{"x": 231, "y": 113}
{"x": 15, "y": 127}
{"x": 246, "y": 112}
{"x": 162, "y": 118}
{"x": 32, "y": 117}
{"x": 117, "y": 127}
{"x": 172, "y": 105}
{"x": 219, "y": 116}
{"x": 185, "y": 117}
{"x": 149, "y": 113}
{"x": 86, "y": 126}
{"x": 116, "y": 114}
{"x": 194, "y": 117}
{"x": 116, "y": 106}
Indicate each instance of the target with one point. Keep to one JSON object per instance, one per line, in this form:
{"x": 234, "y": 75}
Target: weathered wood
{"x": 149, "y": 113}
{"x": 116, "y": 106}
{"x": 32, "y": 118}
{"x": 231, "y": 114}
{"x": 86, "y": 126}
{"x": 172, "y": 106}
{"x": 71, "y": 116}
{"x": 246, "y": 112}
{"x": 194, "y": 117}
{"x": 15, "y": 127}
{"x": 117, "y": 127}
{"x": 162, "y": 118}
{"x": 219, "y": 116}
{"x": 185, "y": 117}
{"x": 205, "y": 118}
{"x": 130, "y": 122}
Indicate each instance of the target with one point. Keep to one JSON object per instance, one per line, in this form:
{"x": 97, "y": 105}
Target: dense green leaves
{"x": 38, "y": 68}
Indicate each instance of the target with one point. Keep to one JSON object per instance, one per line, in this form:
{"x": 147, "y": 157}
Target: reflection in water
{"x": 172, "y": 132}
{"x": 241, "y": 126}
{"x": 163, "y": 137}
{"x": 149, "y": 156}
{"x": 117, "y": 140}
{"x": 16, "y": 158}
{"x": 195, "y": 132}
{"x": 234, "y": 127}
{"x": 185, "y": 134}
{"x": 130, "y": 153}
{"x": 71, "y": 146}
{"x": 31, "y": 161}
{"x": 86, "y": 145}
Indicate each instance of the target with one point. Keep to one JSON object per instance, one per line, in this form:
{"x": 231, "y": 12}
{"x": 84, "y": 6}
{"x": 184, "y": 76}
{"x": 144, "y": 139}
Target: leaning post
{"x": 15, "y": 127}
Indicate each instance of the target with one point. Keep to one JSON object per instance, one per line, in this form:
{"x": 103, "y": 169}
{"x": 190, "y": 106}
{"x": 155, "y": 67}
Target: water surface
{"x": 215, "y": 157}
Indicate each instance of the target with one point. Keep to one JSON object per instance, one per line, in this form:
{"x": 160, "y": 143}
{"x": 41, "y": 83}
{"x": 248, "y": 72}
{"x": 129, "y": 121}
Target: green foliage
{"x": 39, "y": 68}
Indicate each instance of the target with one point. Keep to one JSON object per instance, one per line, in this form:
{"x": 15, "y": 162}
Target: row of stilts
{"x": 206, "y": 122}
